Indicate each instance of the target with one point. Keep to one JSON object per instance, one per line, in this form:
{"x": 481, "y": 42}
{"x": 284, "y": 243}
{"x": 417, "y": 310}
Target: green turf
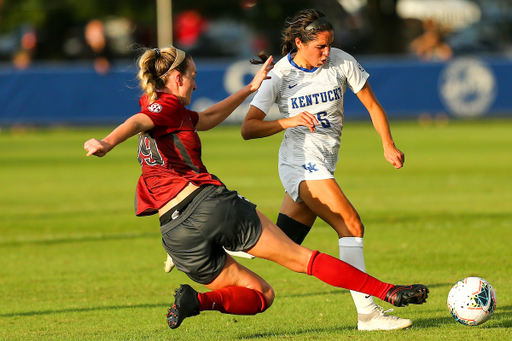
{"x": 76, "y": 264}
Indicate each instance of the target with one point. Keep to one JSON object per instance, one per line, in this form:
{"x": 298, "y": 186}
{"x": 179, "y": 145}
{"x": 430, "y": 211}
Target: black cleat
{"x": 402, "y": 295}
{"x": 186, "y": 304}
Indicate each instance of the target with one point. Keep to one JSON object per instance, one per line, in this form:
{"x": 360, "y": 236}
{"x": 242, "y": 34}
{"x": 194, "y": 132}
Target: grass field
{"x": 76, "y": 264}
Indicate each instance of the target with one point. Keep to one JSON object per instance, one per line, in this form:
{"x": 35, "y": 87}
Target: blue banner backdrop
{"x": 465, "y": 87}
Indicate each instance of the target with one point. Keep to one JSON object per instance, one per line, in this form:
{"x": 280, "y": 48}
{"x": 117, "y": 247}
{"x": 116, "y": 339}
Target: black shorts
{"x": 215, "y": 218}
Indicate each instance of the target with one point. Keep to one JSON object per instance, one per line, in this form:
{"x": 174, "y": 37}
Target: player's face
{"x": 315, "y": 53}
{"x": 189, "y": 83}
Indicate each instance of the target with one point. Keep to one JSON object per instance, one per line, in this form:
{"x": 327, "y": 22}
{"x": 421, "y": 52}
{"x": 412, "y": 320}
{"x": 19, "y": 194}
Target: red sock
{"x": 343, "y": 275}
{"x": 233, "y": 300}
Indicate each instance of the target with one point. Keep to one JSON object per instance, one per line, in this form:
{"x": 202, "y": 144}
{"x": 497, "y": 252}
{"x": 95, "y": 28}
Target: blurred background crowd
{"x": 106, "y": 31}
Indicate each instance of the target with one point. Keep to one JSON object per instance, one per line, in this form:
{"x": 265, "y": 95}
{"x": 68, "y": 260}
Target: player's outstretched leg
{"x": 403, "y": 295}
{"x": 186, "y": 304}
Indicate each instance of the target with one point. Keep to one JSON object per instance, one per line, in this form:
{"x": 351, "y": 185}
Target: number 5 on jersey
{"x": 321, "y": 116}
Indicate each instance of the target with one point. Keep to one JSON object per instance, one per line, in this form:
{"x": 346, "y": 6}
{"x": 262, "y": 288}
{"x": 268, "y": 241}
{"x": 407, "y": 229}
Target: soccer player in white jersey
{"x": 308, "y": 85}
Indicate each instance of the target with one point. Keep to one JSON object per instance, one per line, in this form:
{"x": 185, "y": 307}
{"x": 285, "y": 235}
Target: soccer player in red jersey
{"x": 199, "y": 217}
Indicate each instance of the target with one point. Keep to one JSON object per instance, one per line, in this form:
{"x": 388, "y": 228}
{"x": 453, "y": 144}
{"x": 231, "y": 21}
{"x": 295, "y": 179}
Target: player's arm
{"x": 381, "y": 124}
{"x": 217, "y": 113}
{"x": 132, "y": 126}
{"x": 255, "y": 126}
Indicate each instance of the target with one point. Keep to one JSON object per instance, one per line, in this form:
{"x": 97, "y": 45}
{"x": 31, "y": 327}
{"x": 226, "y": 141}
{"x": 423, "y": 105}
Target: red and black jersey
{"x": 169, "y": 154}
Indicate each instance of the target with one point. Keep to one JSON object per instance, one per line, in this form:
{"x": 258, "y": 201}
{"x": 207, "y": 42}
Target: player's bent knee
{"x": 269, "y": 298}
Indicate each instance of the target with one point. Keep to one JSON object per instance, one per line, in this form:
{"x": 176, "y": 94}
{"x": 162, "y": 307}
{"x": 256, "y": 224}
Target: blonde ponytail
{"x": 155, "y": 66}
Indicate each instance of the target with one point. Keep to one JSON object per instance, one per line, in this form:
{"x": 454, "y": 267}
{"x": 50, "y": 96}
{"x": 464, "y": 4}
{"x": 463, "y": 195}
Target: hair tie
{"x": 157, "y": 50}
{"x": 317, "y": 23}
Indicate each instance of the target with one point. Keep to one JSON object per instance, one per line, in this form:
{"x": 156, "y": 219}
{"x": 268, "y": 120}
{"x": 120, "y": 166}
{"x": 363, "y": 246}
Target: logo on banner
{"x": 468, "y": 87}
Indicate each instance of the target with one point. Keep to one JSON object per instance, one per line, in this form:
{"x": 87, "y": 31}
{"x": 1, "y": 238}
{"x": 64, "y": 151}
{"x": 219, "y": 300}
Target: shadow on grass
{"x": 439, "y": 216}
{"x": 80, "y": 310}
{"x": 439, "y": 285}
{"x": 335, "y": 291}
{"x": 295, "y": 334}
{"x": 78, "y": 239}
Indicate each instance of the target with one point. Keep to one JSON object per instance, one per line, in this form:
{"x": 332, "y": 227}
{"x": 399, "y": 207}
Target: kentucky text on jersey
{"x": 307, "y": 100}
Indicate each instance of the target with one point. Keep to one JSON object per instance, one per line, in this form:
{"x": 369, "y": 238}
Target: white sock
{"x": 351, "y": 252}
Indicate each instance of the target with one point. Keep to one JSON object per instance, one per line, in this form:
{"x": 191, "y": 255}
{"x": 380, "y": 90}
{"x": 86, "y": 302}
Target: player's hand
{"x": 394, "y": 156}
{"x": 304, "y": 119}
{"x": 261, "y": 75}
{"x": 96, "y": 147}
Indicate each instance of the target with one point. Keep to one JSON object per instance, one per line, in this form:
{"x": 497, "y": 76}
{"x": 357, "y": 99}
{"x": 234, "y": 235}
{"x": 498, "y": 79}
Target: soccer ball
{"x": 472, "y": 301}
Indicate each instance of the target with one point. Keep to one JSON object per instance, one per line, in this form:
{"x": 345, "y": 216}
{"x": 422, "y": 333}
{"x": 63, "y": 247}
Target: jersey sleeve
{"x": 355, "y": 74}
{"x": 267, "y": 94}
{"x": 168, "y": 115}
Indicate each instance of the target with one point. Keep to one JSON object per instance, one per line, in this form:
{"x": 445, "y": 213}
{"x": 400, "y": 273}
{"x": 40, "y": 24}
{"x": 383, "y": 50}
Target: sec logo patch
{"x": 155, "y": 107}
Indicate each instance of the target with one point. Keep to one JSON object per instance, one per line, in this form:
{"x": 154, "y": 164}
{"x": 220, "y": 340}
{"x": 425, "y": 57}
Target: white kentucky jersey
{"x": 318, "y": 91}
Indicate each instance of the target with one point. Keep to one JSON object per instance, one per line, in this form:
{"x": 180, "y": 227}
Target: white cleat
{"x": 379, "y": 320}
{"x": 169, "y": 264}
